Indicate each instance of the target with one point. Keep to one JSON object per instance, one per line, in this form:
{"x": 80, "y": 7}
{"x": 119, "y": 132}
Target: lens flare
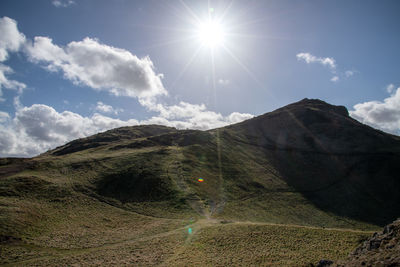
{"x": 200, "y": 180}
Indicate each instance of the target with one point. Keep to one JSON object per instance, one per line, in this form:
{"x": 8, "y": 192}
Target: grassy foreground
{"x": 211, "y": 243}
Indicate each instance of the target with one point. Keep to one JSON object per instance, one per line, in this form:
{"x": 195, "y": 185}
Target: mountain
{"x": 339, "y": 164}
{"x": 306, "y": 168}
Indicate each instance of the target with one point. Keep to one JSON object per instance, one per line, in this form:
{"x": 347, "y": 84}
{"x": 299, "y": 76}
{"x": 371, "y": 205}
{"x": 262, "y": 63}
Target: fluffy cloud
{"x": 87, "y": 62}
{"x": 326, "y": 61}
{"x": 308, "y": 58}
{"x": 99, "y": 66}
{"x": 384, "y": 115}
{"x": 237, "y": 117}
{"x": 182, "y": 110}
{"x": 5, "y": 82}
{"x": 11, "y": 40}
{"x": 104, "y": 108}
{"x": 390, "y": 88}
{"x": 203, "y": 121}
{"x": 192, "y": 116}
{"x": 4, "y": 116}
{"x": 349, "y": 73}
{"x": 335, "y": 79}
{"x": 62, "y": 3}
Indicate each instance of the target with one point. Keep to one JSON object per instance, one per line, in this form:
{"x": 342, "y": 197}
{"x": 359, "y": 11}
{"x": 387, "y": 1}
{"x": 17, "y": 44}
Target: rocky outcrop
{"x": 382, "y": 249}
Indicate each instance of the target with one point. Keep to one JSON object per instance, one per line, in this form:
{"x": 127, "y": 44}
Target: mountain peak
{"x": 312, "y": 125}
{"x": 317, "y": 104}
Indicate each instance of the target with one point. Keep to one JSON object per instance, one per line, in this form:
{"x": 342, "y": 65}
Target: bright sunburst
{"x": 211, "y": 33}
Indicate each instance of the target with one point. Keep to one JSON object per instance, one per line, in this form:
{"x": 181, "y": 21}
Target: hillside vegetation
{"x": 293, "y": 186}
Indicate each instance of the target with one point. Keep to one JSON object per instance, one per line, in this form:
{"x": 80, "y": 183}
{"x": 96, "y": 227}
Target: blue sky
{"x": 69, "y": 69}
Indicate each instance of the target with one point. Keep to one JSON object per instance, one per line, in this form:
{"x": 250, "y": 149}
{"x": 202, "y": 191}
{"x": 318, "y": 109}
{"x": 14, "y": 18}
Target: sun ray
{"x": 222, "y": 17}
{"x": 188, "y": 63}
{"x": 244, "y": 67}
{"x": 221, "y": 189}
{"x": 183, "y": 30}
{"x": 166, "y": 43}
{"x": 260, "y": 37}
{"x": 194, "y": 16}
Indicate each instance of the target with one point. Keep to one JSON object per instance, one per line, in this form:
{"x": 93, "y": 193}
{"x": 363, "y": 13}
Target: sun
{"x": 211, "y": 33}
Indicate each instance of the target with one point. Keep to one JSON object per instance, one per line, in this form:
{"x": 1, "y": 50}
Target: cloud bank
{"x": 37, "y": 128}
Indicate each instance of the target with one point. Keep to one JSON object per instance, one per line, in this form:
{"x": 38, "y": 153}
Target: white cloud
{"x": 87, "y": 62}
{"x": 4, "y": 116}
{"x": 193, "y": 116}
{"x": 7, "y": 83}
{"x": 390, "y": 88}
{"x": 236, "y": 117}
{"x": 182, "y": 110}
{"x": 308, "y": 58}
{"x": 43, "y": 49}
{"x": 11, "y": 39}
{"x": 224, "y": 82}
{"x": 383, "y": 115}
{"x": 335, "y": 79}
{"x": 349, "y": 73}
{"x": 326, "y": 61}
{"x": 104, "y": 108}
{"x": 99, "y": 66}
{"x": 62, "y": 3}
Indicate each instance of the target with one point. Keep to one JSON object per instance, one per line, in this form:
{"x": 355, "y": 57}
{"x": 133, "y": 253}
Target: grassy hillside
{"x": 274, "y": 185}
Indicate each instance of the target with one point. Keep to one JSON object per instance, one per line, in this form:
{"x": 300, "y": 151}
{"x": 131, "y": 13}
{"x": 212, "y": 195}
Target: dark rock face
{"x": 6, "y": 239}
{"x": 382, "y": 249}
{"x": 340, "y": 110}
{"x": 324, "y": 263}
